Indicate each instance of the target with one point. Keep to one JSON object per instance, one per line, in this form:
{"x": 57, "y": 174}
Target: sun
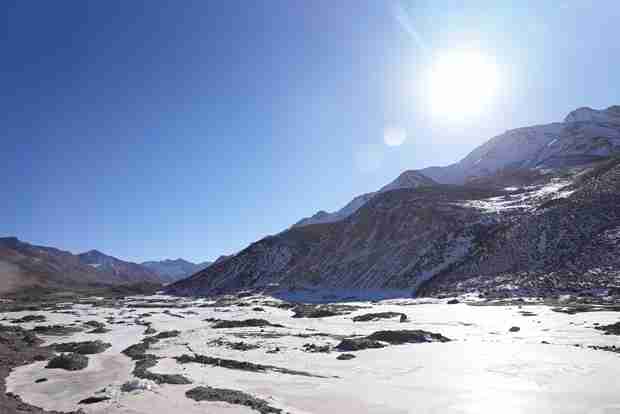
{"x": 461, "y": 85}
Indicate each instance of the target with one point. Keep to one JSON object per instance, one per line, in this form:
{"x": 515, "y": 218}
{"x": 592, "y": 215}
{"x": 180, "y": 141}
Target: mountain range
{"x": 534, "y": 209}
{"x": 26, "y": 266}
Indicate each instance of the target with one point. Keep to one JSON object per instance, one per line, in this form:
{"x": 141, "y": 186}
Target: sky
{"x": 157, "y": 129}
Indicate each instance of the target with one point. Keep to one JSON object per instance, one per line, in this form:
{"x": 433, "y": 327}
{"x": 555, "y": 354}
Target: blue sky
{"x": 153, "y": 130}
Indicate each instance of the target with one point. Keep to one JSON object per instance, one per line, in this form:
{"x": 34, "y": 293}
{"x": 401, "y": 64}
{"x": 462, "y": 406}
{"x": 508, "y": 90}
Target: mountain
{"x": 586, "y": 135}
{"x": 24, "y": 266}
{"x": 529, "y": 206}
{"x": 126, "y": 271}
{"x": 173, "y": 270}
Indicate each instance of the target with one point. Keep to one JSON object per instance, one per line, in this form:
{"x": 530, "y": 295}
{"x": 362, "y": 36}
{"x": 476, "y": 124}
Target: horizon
{"x": 150, "y": 133}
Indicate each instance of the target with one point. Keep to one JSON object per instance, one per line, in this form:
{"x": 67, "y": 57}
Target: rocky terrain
{"x": 535, "y": 212}
{"x": 249, "y": 353}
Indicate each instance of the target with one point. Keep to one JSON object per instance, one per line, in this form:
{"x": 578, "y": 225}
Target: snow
{"x": 483, "y": 368}
{"x": 526, "y": 200}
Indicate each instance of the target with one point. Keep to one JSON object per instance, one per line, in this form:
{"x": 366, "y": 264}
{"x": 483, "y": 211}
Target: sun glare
{"x": 461, "y": 85}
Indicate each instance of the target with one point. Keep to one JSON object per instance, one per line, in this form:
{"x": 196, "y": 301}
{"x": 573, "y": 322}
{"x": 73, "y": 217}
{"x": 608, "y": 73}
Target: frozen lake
{"x": 545, "y": 366}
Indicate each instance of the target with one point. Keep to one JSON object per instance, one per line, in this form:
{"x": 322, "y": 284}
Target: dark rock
{"x": 239, "y": 365}
{"x": 93, "y": 400}
{"x": 40, "y": 380}
{"x": 407, "y": 337}
{"x": 231, "y": 397}
{"x": 69, "y": 362}
{"x": 379, "y": 315}
{"x": 237, "y": 346}
{"x": 141, "y": 370}
{"x": 30, "y": 318}
{"x": 94, "y": 324}
{"x": 453, "y": 302}
{"x": 358, "y": 344}
{"x": 514, "y": 329}
{"x": 167, "y": 334}
{"x": 258, "y": 309}
{"x": 247, "y": 323}
{"x": 150, "y": 331}
{"x": 613, "y": 329}
{"x": 83, "y": 348}
{"x": 55, "y": 330}
{"x": 100, "y": 330}
{"x": 345, "y": 357}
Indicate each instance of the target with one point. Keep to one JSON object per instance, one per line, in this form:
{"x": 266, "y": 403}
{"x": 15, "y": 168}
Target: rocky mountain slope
{"x": 531, "y": 205}
{"x": 172, "y": 270}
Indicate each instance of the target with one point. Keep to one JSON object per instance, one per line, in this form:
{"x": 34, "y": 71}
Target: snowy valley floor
{"x": 547, "y": 365}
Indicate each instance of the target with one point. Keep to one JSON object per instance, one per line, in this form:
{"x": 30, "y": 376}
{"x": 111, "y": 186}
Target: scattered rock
{"x": 237, "y": 346}
{"x": 231, "y": 397}
{"x": 313, "y": 348}
{"x": 69, "y": 362}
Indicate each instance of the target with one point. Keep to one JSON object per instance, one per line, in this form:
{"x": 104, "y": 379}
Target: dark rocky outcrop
{"x": 231, "y": 397}
{"x": 94, "y": 400}
{"x": 82, "y": 348}
{"x": 69, "y": 362}
{"x": 30, "y": 318}
{"x": 379, "y": 315}
{"x": 612, "y": 329}
{"x": 358, "y": 344}
{"x": 380, "y": 339}
{"x": 247, "y": 323}
{"x": 239, "y": 365}
{"x": 56, "y": 330}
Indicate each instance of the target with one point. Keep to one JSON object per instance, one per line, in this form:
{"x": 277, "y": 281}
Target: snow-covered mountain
{"x": 173, "y": 270}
